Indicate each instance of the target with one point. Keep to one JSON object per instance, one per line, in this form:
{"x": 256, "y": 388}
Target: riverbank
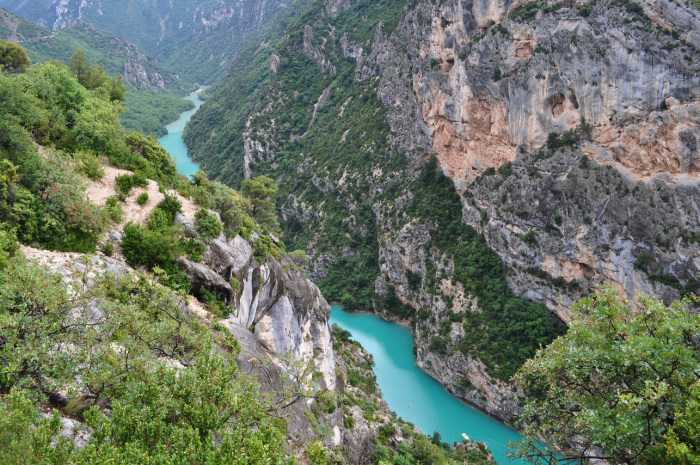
{"x": 384, "y": 316}
{"x": 414, "y": 395}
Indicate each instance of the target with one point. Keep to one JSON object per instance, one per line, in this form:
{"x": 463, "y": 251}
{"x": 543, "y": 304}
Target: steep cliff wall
{"x": 275, "y": 300}
{"x": 569, "y": 131}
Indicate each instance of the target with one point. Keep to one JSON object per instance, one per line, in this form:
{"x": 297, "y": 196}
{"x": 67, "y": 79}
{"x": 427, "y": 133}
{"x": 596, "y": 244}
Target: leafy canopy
{"x": 617, "y": 386}
{"x": 112, "y": 340}
{"x": 261, "y": 193}
{"x": 13, "y": 58}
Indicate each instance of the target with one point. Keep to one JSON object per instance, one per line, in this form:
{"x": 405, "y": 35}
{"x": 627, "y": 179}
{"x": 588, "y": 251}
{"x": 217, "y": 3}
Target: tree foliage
{"x": 261, "y": 193}
{"x": 94, "y": 77}
{"x": 617, "y": 386}
{"x": 13, "y": 58}
{"x": 54, "y": 337}
{"x": 208, "y": 225}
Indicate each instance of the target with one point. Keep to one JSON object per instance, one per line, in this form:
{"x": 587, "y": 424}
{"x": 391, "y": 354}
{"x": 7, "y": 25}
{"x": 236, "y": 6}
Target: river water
{"x": 173, "y": 141}
{"x": 415, "y": 396}
{"x": 412, "y": 394}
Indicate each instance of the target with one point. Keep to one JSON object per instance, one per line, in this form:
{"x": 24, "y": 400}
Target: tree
{"x": 13, "y": 58}
{"x": 93, "y": 77}
{"x": 208, "y": 225}
{"x": 261, "y": 192}
{"x": 614, "y": 385}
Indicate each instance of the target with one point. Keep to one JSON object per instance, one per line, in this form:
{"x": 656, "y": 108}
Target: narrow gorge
{"x": 499, "y": 199}
{"x": 474, "y": 163}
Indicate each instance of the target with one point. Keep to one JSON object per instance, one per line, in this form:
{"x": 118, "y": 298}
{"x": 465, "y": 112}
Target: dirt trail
{"x": 99, "y": 191}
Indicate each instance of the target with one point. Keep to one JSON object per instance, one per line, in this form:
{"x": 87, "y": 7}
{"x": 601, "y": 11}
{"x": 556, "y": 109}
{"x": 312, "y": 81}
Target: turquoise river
{"x": 173, "y": 141}
{"x": 412, "y": 394}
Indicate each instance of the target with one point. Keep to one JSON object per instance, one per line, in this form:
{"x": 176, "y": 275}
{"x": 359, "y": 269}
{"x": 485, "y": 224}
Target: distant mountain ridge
{"x": 198, "y": 39}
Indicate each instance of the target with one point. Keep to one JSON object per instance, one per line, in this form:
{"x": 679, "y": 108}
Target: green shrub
{"x": 142, "y": 198}
{"x": 438, "y": 344}
{"x": 126, "y": 181}
{"x": 215, "y": 303}
{"x": 113, "y": 209}
{"x": 89, "y": 164}
{"x": 171, "y": 205}
{"x": 208, "y": 225}
{"x": 567, "y": 139}
{"x": 506, "y": 169}
{"x": 108, "y": 249}
{"x": 414, "y": 280}
{"x": 159, "y": 220}
{"x": 585, "y": 9}
{"x": 193, "y": 247}
{"x": 348, "y": 302}
{"x": 642, "y": 261}
{"x": 8, "y": 247}
{"x": 317, "y": 453}
{"x": 149, "y": 248}
{"x": 530, "y": 238}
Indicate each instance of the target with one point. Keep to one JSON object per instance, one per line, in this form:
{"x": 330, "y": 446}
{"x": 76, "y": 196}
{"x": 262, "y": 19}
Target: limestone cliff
{"x": 275, "y": 300}
{"x": 569, "y": 129}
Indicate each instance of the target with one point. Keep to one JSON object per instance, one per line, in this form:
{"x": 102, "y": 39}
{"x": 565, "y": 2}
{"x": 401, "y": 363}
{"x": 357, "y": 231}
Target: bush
{"x": 142, "y": 198}
{"x": 529, "y": 238}
{"x": 585, "y": 9}
{"x": 108, "y": 249}
{"x": 438, "y": 344}
{"x": 235, "y": 285}
{"x": 149, "y": 248}
{"x": 159, "y": 220}
{"x": 506, "y": 169}
{"x": 89, "y": 164}
{"x": 208, "y": 225}
{"x": 643, "y": 259}
{"x": 113, "y": 209}
{"x": 348, "y": 302}
{"x": 126, "y": 181}
{"x": 171, "y": 205}
{"x": 8, "y": 247}
{"x": 567, "y": 139}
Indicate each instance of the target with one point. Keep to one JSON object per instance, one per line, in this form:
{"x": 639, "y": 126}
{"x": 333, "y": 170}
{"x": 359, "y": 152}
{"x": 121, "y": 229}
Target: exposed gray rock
{"x": 76, "y": 432}
{"x": 115, "y": 236}
{"x": 229, "y": 259}
{"x": 186, "y": 224}
{"x": 205, "y": 278}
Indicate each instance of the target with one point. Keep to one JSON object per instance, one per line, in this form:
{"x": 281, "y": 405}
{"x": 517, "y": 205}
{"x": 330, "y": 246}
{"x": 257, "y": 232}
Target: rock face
{"x": 570, "y": 132}
{"x": 275, "y": 300}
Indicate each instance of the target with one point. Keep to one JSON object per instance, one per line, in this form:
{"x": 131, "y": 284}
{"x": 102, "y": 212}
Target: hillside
{"x": 153, "y": 96}
{"x": 474, "y": 168}
{"x": 144, "y": 323}
{"x": 197, "y": 39}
